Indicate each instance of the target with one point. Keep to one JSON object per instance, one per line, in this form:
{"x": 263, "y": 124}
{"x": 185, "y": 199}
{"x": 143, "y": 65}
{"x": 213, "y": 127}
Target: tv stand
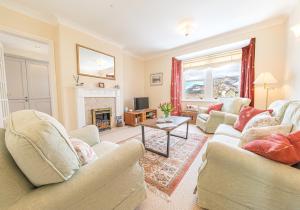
{"x": 136, "y": 117}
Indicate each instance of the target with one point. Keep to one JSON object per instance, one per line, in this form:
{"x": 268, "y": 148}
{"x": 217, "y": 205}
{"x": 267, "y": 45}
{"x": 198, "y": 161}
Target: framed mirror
{"x": 93, "y": 63}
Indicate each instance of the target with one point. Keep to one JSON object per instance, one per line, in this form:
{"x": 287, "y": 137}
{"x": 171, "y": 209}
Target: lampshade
{"x": 296, "y": 30}
{"x": 265, "y": 78}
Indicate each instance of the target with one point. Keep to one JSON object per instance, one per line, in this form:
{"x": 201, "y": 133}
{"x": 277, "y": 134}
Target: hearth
{"x": 102, "y": 118}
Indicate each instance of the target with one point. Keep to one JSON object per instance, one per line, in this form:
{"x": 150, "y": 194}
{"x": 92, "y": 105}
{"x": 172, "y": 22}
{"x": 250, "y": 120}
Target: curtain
{"x": 248, "y": 72}
{"x": 176, "y": 86}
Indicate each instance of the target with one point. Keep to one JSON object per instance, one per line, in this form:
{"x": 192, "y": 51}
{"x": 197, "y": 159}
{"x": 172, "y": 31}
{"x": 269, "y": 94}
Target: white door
{"x": 28, "y": 84}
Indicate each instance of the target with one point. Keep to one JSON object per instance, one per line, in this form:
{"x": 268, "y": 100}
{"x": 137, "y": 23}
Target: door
{"x": 28, "y": 84}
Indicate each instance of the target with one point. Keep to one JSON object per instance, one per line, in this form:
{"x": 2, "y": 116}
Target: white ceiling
{"x": 147, "y": 27}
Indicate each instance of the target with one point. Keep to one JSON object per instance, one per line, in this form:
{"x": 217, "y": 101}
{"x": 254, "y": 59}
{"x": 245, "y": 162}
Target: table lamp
{"x": 267, "y": 80}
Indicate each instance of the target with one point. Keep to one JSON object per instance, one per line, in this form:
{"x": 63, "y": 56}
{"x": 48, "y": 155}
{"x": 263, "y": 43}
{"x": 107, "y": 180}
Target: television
{"x": 141, "y": 103}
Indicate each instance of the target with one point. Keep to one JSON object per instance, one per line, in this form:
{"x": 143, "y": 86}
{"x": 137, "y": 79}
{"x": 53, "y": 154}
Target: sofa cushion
{"x": 292, "y": 115}
{"x": 234, "y": 105}
{"x": 41, "y": 147}
{"x": 261, "y": 120}
{"x": 226, "y": 139}
{"x": 279, "y": 108}
{"x": 203, "y": 116}
{"x": 84, "y": 151}
{"x": 246, "y": 114}
{"x": 215, "y": 107}
{"x": 228, "y": 130}
{"x": 275, "y": 147}
{"x": 262, "y": 132}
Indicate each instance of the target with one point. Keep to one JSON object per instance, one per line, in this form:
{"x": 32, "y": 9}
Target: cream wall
{"x": 270, "y": 56}
{"x": 134, "y": 83}
{"x": 64, "y": 38}
{"x": 292, "y": 74}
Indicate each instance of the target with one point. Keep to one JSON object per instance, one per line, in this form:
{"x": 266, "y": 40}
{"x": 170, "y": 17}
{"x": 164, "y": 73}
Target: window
{"x": 212, "y": 76}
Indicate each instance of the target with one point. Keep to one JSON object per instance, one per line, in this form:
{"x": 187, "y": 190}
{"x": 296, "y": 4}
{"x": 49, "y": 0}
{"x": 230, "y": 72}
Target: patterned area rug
{"x": 164, "y": 174}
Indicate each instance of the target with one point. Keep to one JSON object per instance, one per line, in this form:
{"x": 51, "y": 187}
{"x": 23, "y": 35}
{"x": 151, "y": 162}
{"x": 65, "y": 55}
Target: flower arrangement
{"x": 166, "y": 108}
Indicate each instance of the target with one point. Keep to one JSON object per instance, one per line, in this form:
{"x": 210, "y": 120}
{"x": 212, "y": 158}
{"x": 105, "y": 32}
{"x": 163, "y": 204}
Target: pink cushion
{"x": 215, "y": 107}
{"x": 85, "y": 153}
{"x": 246, "y": 114}
{"x": 277, "y": 147}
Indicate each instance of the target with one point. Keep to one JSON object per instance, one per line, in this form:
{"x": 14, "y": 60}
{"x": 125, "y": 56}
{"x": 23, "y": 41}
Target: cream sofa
{"x": 114, "y": 181}
{"x": 230, "y": 110}
{"x": 233, "y": 178}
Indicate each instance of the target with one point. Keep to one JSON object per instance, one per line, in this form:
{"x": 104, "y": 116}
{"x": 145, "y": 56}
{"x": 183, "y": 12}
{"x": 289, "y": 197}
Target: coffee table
{"x": 177, "y": 121}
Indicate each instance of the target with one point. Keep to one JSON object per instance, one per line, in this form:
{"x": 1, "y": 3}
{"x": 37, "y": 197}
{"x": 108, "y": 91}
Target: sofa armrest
{"x": 86, "y": 183}
{"x": 230, "y": 118}
{"x": 89, "y": 134}
{"x": 243, "y": 163}
{"x": 203, "y": 110}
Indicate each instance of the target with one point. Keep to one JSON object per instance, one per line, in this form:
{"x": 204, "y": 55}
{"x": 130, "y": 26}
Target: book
{"x": 165, "y": 125}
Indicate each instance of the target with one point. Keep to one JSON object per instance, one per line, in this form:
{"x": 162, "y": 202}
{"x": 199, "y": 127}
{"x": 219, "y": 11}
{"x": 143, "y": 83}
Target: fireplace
{"x": 102, "y": 118}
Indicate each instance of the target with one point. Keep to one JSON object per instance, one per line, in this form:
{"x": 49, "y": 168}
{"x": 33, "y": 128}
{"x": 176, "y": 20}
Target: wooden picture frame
{"x": 156, "y": 79}
{"x": 101, "y": 85}
{"x": 89, "y": 60}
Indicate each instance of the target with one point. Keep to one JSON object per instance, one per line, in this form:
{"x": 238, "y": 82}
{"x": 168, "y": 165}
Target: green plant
{"x": 166, "y": 108}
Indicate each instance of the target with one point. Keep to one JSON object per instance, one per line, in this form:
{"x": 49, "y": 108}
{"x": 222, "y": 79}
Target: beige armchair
{"x": 114, "y": 181}
{"x": 228, "y": 115}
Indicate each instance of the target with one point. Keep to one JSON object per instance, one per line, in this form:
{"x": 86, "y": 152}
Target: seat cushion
{"x": 292, "y": 115}
{"x": 228, "y": 130}
{"x": 41, "y": 147}
{"x": 203, "y": 116}
{"x": 226, "y": 139}
{"x": 104, "y": 148}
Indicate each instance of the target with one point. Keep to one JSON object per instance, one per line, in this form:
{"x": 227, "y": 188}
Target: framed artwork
{"x": 156, "y": 79}
{"x": 93, "y": 63}
{"x": 101, "y": 85}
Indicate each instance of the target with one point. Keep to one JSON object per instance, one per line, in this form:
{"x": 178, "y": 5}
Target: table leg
{"x": 143, "y": 135}
{"x": 187, "y": 130}
{"x": 168, "y": 143}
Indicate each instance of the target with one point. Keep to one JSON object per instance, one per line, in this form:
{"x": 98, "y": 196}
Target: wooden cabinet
{"x": 134, "y": 118}
{"x": 190, "y": 113}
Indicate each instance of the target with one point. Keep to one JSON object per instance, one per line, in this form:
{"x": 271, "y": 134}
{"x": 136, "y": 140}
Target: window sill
{"x": 208, "y": 100}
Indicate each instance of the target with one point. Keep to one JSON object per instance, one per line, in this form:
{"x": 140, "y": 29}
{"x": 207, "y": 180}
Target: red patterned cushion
{"x": 246, "y": 114}
{"x": 215, "y": 107}
{"x": 276, "y": 147}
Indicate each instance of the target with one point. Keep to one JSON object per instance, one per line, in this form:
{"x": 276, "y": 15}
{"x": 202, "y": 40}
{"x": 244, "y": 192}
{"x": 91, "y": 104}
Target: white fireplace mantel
{"x": 84, "y": 92}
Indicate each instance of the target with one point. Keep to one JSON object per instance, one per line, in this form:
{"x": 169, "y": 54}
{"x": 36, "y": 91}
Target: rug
{"x": 164, "y": 174}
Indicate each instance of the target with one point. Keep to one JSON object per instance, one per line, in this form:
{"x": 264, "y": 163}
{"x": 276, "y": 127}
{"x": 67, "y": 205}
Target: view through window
{"x": 212, "y": 76}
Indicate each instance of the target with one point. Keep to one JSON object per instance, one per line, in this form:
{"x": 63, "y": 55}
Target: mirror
{"x": 93, "y": 63}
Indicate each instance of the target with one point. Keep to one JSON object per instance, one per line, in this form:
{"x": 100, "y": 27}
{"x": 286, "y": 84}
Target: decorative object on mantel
{"x": 101, "y": 85}
{"x": 166, "y": 108}
{"x": 156, "y": 79}
{"x": 76, "y": 79}
{"x": 117, "y": 86}
{"x": 126, "y": 109}
{"x": 93, "y": 63}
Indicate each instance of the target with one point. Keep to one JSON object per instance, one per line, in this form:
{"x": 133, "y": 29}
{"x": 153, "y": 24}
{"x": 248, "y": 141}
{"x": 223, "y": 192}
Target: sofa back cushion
{"x": 234, "y": 105}
{"x": 279, "y": 107}
{"x": 13, "y": 183}
{"x": 41, "y": 147}
{"x": 292, "y": 115}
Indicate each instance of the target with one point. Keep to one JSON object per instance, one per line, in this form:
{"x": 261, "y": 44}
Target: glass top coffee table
{"x": 153, "y": 123}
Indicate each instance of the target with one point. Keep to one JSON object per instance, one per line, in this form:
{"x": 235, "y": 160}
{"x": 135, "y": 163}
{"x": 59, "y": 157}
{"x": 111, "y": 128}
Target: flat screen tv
{"x": 141, "y": 103}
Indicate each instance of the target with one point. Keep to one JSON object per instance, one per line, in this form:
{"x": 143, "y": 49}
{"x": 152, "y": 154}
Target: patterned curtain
{"x": 176, "y": 86}
{"x": 248, "y": 72}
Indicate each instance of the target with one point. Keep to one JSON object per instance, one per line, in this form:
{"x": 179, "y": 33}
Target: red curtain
{"x": 248, "y": 71}
{"x": 176, "y": 86}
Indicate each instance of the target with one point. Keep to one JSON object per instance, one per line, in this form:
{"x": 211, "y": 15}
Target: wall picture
{"x": 156, "y": 79}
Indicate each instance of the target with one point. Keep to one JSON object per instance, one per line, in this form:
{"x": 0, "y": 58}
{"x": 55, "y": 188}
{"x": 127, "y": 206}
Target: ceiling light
{"x": 186, "y": 27}
{"x": 296, "y": 30}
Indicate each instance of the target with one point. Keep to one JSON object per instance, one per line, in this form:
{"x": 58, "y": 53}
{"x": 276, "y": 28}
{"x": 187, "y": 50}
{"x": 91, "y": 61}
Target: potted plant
{"x": 166, "y": 108}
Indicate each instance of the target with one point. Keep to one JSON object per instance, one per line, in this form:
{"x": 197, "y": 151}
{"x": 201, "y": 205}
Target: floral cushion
{"x": 215, "y": 107}
{"x": 85, "y": 153}
{"x": 261, "y": 120}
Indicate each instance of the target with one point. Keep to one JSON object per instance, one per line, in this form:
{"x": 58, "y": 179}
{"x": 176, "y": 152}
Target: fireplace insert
{"x": 102, "y": 118}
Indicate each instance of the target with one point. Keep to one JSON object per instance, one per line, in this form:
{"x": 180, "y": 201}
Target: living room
{"x": 181, "y": 114}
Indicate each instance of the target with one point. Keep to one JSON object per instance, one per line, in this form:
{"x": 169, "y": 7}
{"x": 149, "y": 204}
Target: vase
{"x": 166, "y": 115}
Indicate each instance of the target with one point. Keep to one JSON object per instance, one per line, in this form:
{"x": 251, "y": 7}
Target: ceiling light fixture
{"x": 296, "y": 30}
{"x": 186, "y": 26}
